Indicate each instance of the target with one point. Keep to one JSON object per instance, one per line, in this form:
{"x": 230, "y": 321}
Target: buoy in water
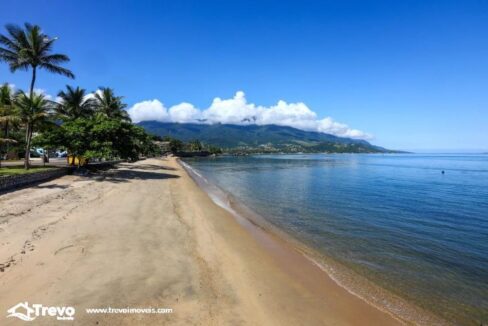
{"x": 443, "y": 172}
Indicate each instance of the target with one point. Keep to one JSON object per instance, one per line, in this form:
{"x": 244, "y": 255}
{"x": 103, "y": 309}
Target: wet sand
{"x": 145, "y": 235}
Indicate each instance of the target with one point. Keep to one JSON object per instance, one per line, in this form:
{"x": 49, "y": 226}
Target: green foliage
{"x": 110, "y": 105}
{"x": 214, "y": 150}
{"x": 175, "y": 145}
{"x": 8, "y": 120}
{"x": 74, "y": 104}
{"x": 195, "y": 145}
{"x": 100, "y": 137}
{"x": 32, "y": 109}
{"x": 33, "y": 112}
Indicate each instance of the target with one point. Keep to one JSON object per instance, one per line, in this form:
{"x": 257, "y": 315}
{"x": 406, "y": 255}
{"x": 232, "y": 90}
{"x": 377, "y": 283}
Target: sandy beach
{"x": 145, "y": 235}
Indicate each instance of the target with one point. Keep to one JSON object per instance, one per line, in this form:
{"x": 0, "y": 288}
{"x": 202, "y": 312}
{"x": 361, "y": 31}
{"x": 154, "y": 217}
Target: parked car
{"x": 34, "y": 153}
{"x": 61, "y": 153}
{"x": 39, "y": 151}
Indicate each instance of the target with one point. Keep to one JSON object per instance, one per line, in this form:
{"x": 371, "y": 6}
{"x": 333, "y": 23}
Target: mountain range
{"x": 261, "y": 138}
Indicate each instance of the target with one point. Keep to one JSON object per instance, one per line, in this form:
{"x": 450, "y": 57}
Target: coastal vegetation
{"x": 260, "y": 139}
{"x": 177, "y": 146}
{"x": 92, "y": 125}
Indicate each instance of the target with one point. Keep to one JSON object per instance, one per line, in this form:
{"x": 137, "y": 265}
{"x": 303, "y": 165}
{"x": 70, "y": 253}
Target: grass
{"x": 17, "y": 170}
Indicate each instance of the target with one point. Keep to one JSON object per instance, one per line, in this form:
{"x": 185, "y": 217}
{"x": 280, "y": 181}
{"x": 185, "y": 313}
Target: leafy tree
{"x": 33, "y": 111}
{"x": 110, "y": 105}
{"x": 214, "y": 150}
{"x": 74, "y": 104}
{"x": 143, "y": 142}
{"x": 100, "y": 137}
{"x": 175, "y": 145}
{"x": 157, "y": 138}
{"x": 74, "y": 135}
{"x": 195, "y": 145}
{"x": 31, "y": 48}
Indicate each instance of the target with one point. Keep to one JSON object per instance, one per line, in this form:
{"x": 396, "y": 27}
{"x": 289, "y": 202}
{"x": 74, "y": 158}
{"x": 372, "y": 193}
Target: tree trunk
{"x": 1, "y": 145}
{"x": 28, "y": 132}
{"x": 28, "y": 137}
{"x": 6, "y": 134}
{"x": 33, "y": 81}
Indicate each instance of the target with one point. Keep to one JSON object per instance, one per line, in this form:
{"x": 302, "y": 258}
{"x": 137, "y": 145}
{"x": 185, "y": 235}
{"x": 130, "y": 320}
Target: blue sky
{"x": 414, "y": 74}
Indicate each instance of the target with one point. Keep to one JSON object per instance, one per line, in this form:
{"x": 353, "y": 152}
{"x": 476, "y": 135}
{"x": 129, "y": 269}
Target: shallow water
{"x": 395, "y": 219}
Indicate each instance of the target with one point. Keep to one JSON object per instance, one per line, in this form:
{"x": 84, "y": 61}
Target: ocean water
{"x": 395, "y": 219}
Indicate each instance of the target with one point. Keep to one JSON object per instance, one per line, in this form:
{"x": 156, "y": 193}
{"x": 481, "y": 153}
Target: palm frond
{"x": 17, "y": 35}
{"x": 57, "y": 70}
{"x": 31, "y": 47}
{"x": 56, "y": 59}
{"x": 9, "y": 43}
{"x": 9, "y": 55}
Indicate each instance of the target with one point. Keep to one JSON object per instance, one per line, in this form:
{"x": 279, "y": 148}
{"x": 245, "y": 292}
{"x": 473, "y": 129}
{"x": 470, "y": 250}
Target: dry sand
{"x": 145, "y": 235}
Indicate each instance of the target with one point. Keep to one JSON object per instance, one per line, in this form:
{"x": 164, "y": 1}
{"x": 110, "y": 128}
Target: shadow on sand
{"x": 148, "y": 167}
{"x": 51, "y": 186}
{"x": 126, "y": 174}
{"x": 123, "y": 173}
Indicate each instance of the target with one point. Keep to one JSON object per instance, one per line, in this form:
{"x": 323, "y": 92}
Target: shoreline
{"x": 358, "y": 285}
{"x": 146, "y": 235}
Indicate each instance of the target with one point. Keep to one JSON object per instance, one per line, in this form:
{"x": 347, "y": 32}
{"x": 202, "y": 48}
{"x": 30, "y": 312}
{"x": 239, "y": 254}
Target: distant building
{"x": 163, "y": 145}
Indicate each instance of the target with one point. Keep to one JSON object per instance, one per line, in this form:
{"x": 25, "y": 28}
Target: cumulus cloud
{"x": 91, "y": 96}
{"x": 148, "y": 110}
{"x": 40, "y": 91}
{"x": 184, "y": 112}
{"x": 237, "y": 110}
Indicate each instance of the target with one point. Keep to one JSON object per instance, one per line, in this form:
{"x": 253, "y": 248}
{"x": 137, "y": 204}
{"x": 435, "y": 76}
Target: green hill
{"x": 267, "y": 138}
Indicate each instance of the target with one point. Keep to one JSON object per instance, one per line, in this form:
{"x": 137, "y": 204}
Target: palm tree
{"x": 111, "y": 105}
{"x": 74, "y": 104}
{"x": 33, "y": 111}
{"x": 31, "y": 48}
{"x": 7, "y": 116}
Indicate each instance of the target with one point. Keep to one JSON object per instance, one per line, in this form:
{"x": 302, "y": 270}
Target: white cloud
{"x": 237, "y": 110}
{"x": 40, "y": 91}
{"x": 149, "y": 110}
{"x": 184, "y": 112}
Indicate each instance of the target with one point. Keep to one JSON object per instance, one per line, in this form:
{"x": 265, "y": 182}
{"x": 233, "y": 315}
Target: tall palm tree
{"x": 111, "y": 105}
{"x": 7, "y": 116}
{"x": 33, "y": 111}
{"x": 31, "y": 48}
{"x": 74, "y": 104}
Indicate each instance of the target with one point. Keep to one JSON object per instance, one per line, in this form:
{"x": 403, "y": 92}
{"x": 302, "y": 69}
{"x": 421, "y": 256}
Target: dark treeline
{"x": 177, "y": 146}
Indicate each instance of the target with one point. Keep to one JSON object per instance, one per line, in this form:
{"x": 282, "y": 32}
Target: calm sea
{"x": 395, "y": 219}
